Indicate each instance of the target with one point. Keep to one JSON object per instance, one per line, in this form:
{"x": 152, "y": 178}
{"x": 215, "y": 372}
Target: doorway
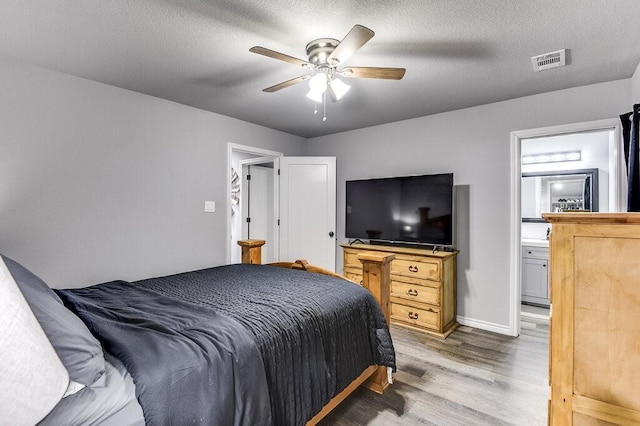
{"x": 615, "y": 200}
{"x": 265, "y": 210}
{"x": 256, "y": 204}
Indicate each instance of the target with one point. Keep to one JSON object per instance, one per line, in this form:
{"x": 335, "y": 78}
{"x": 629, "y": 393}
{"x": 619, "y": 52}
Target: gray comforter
{"x": 237, "y": 344}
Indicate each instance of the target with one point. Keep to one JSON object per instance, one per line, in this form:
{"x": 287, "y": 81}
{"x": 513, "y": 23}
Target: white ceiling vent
{"x": 549, "y": 60}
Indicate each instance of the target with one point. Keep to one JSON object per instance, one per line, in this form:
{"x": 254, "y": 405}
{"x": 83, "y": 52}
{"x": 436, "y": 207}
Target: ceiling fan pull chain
{"x": 324, "y": 106}
{"x": 315, "y": 108}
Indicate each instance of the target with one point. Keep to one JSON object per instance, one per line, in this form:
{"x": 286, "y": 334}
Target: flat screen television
{"x": 407, "y": 209}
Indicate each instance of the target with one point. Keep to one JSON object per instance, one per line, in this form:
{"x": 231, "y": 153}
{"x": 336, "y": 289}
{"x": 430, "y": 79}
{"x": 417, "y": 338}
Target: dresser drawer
{"x": 415, "y": 292}
{"x": 531, "y": 252}
{"x": 416, "y": 316}
{"x": 418, "y": 268}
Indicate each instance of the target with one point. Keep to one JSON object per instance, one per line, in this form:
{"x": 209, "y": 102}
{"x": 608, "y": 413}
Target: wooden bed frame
{"x": 376, "y": 271}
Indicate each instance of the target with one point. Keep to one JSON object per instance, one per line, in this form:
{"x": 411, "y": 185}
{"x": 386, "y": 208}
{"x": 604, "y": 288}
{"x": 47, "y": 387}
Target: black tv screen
{"x": 408, "y": 209}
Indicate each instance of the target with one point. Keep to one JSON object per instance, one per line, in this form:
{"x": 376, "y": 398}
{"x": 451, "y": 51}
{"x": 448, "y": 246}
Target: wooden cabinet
{"x": 423, "y": 286}
{"x": 535, "y": 275}
{"x": 594, "y": 339}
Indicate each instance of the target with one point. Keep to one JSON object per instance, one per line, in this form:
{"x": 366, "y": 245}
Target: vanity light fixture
{"x": 552, "y": 157}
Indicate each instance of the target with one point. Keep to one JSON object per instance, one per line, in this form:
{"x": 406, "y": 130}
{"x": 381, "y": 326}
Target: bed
{"x": 273, "y": 344}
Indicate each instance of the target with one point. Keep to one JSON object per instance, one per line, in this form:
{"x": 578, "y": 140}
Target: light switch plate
{"x": 209, "y": 206}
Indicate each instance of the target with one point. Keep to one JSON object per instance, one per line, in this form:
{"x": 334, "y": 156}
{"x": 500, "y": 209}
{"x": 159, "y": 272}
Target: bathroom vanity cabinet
{"x": 535, "y": 275}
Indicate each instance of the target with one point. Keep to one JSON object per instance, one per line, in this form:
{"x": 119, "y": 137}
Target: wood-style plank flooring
{"x": 474, "y": 377}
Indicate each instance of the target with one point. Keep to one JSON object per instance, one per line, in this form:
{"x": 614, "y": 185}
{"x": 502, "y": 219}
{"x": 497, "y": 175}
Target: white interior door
{"x": 308, "y": 210}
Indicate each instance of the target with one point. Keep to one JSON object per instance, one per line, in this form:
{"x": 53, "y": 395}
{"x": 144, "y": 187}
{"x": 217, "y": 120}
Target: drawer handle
{"x": 413, "y": 316}
{"x": 413, "y": 268}
{"x": 412, "y": 292}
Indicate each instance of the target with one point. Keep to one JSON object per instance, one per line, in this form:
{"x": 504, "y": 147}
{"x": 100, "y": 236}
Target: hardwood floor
{"x": 474, "y": 377}
{"x": 532, "y": 310}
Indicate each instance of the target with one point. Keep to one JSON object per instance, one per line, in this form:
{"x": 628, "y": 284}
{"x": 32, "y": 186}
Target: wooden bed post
{"x": 251, "y": 251}
{"x": 376, "y": 277}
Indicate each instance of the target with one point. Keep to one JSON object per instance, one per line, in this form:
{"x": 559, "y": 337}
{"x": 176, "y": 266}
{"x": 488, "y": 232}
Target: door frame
{"x": 263, "y": 155}
{"x": 616, "y": 187}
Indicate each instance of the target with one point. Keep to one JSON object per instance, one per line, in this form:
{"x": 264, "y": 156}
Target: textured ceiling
{"x": 457, "y": 53}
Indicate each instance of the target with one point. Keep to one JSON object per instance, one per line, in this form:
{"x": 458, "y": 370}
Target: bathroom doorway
{"x": 550, "y": 140}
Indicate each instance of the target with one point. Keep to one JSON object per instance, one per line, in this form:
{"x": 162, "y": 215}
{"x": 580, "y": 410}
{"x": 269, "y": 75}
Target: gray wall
{"x": 100, "y": 183}
{"x": 635, "y": 87}
{"x": 474, "y": 144}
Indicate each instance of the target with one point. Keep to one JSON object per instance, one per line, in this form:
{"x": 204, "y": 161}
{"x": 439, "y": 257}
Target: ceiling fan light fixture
{"x": 315, "y": 95}
{"x": 339, "y": 88}
{"x": 318, "y": 83}
{"x": 317, "y": 87}
{"x": 325, "y": 56}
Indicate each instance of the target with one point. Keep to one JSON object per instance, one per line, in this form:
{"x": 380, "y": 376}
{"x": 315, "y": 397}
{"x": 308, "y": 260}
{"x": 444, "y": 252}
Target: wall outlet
{"x": 209, "y": 206}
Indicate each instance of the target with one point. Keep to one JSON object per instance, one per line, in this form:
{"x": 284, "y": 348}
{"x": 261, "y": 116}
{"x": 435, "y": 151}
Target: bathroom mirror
{"x": 558, "y": 191}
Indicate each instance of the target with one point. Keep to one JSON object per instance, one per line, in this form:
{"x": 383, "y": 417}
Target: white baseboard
{"x": 484, "y": 325}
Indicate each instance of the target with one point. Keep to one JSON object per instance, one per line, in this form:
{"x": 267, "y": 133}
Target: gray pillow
{"x": 78, "y": 350}
{"x": 104, "y": 405}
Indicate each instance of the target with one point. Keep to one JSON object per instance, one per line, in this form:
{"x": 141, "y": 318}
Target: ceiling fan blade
{"x": 280, "y": 56}
{"x": 287, "y": 83}
{"x": 354, "y": 40}
{"x": 373, "y": 72}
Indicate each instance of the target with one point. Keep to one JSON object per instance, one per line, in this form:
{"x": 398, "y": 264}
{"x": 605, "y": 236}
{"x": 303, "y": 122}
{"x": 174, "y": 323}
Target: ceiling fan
{"x": 326, "y": 59}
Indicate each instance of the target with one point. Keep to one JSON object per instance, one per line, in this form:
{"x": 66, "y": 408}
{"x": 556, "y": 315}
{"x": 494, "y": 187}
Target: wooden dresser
{"x": 594, "y": 367}
{"x": 423, "y": 286}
